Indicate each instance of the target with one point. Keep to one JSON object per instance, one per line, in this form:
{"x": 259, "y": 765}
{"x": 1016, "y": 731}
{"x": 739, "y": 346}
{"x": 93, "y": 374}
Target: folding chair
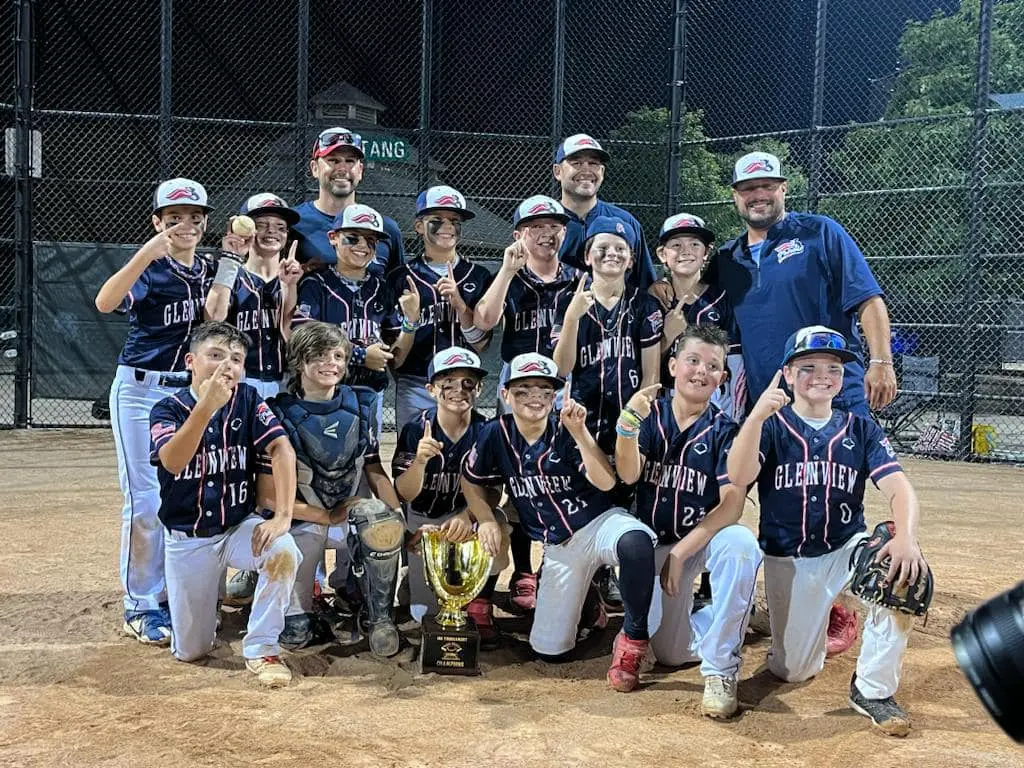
{"x": 904, "y": 418}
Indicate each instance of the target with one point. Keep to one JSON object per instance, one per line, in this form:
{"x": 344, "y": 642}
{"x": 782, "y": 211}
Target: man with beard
{"x": 791, "y": 270}
{"x": 578, "y": 167}
{"x": 337, "y": 165}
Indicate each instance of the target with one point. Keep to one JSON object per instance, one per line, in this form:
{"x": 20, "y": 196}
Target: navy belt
{"x": 176, "y": 380}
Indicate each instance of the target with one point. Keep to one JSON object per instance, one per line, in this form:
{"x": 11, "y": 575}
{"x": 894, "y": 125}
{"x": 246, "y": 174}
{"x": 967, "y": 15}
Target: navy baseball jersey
{"x": 640, "y": 276}
{"x": 364, "y": 310}
{"x": 314, "y": 225}
{"x": 256, "y": 309}
{"x": 439, "y": 325}
{"x": 683, "y": 470}
{"x": 712, "y": 307}
{"x": 530, "y": 307}
{"x": 609, "y": 345}
{"x": 442, "y": 490}
{"x": 163, "y": 306}
{"x": 546, "y": 481}
{"x": 215, "y": 491}
{"x": 811, "y": 484}
{"x": 811, "y": 272}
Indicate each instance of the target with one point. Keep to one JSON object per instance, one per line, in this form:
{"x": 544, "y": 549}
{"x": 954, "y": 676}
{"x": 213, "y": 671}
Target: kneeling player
{"x": 811, "y": 462}
{"x": 676, "y": 447}
{"x": 332, "y": 428}
{"x": 200, "y": 441}
{"x": 427, "y": 469}
{"x": 560, "y": 483}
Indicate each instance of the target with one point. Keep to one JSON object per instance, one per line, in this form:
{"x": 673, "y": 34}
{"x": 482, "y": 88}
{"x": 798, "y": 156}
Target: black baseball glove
{"x": 868, "y": 581}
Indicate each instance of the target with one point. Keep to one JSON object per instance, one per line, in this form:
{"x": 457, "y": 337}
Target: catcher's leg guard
{"x": 375, "y": 541}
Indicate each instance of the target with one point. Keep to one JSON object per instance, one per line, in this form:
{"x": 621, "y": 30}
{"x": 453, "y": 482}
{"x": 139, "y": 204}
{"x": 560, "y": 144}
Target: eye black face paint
{"x": 434, "y": 226}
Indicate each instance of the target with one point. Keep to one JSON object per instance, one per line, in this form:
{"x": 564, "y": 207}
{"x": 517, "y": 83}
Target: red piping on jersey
{"x": 682, "y": 461}
{"x": 803, "y": 523}
{"x": 884, "y": 466}
{"x": 828, "y": 485}
{"x": 433, "y": 299}
{"x": 224, "y": 448}
{"x": 519, "y": 461}
{"x": 664, "y": 459}
{"x": 557, "y": 506}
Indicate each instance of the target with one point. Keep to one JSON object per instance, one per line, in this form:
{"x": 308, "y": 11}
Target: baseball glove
{"x": 868, "y": 581}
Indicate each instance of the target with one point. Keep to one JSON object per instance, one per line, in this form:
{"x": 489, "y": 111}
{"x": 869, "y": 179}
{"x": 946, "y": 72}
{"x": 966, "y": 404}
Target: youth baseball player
{"x": 427, "y": 468}
{"x": 161, "y": 289}
{"x": 203, "y": 439}
{"x": 525, "y": 294}
{"x": 578, "y": 167}
{"x": 674, "y": 448}
{"x": 359, "y": 302}
{"x": 811, "y": 461}
{"x": 684, "y": 244}
{"x": 607, "y": 334}
{"x": 449, "y": 288}
{"x": 258, "y": 296}
{"x": 560, "y": 482}
{"x": 338, "y": 164}
{"x": 332, "y": 428}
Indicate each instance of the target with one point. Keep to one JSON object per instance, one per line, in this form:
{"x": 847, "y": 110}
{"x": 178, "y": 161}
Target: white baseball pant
{"x": 714, "y": 634}
{"x": 800, "y": 593}
{"x": 267, "y": 389}
{"x": 194, "y": 568}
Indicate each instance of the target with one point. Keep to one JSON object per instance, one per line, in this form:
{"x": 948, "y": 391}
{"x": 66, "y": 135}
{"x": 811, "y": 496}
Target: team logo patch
{"x": 656, "y": 320}
{"x": 684, "y": 221}
{"x": 542, "y": 208}
{"x": 458, "y": 357}
{"x": 470, "y": 287}
{"x": 620, "y": 228}
{"x": 789, "y": 248}
{"x": 158, "y": 431}
{"x": 236, "y": 424}
{"x": 264, "y": 414}
{"x": 586, "y": 141}
{"x": 759, "y": 164}
{"x": 714, "y": 316}
{"x": 366, "y": 218}
{"x": 700, "y": 449}
{"x": 332, "y": 430}
{"x": 271, "y": 202}
{"x": 183, "y": 193}
{"x": 449, "y": 200}
{"x": 849, "y": 444}
{"x": 888, "y": 447}
{"x": 537, "y": 366}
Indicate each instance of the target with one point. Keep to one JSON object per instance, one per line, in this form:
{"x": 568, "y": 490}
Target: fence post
{"x": 975, "y": 244}
{"x": 558, "y": 86}
{"x": 301, "y": 102}
{"x": 166, "y": 126}
{"x": 817, "y": 103}
{"x": 23, "y": 255}
{"x": 426, "y": 78}
{"x": 677, "y": 101}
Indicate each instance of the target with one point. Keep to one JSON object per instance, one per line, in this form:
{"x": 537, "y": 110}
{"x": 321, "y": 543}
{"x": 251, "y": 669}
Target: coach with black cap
{"x": 337, "y": 165}
{"x": 579, "y": 167}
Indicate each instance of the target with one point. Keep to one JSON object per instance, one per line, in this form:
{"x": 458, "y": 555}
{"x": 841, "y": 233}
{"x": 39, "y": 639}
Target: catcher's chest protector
{"x": 330, "y": 440}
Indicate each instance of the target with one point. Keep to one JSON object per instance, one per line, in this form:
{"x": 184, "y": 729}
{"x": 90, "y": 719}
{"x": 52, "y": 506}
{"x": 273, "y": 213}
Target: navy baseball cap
{"x": 539, "y": 207}
{"x": 577, "y": 143}
{"x": 532, "y": 365}
{"x": 815, "y": 339}
{"x": 336, "y": 138}
{"x": 685, "y": 224}
{"x": 609, "y": 225}
{"x": 455, "y": 358}
{"x": 358, "y": 217}
{"x": 269, "y": 204}
{"x": 757, "y": 165}
{"x": 180, "y": 192}
{"x": 442, "y": 198}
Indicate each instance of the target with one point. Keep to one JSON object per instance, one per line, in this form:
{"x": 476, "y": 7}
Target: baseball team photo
{"x": 572, "y": 384}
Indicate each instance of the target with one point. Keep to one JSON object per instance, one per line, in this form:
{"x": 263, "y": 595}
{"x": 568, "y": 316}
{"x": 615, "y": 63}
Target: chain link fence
{"x": 874, "y": 108}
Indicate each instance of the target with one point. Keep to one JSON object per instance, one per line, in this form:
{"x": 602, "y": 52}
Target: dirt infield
{"x": 73, "y": 692}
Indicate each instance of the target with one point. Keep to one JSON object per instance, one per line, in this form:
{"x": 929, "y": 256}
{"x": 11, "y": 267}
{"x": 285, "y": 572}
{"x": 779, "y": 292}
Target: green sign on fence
{"x": 387, "y": 149}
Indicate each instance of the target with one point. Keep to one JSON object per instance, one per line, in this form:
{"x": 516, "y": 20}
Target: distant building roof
{"x": 1008, "y": 100}
{"x": 345, "y": 93}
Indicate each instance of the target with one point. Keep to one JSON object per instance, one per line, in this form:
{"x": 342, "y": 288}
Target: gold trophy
{"x": 456, "y": 573}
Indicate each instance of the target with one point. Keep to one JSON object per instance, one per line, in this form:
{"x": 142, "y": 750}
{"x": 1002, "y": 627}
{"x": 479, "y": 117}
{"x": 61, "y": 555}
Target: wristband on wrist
{"x": 626, "y": 432}
{"x": 227, "y": 271}
{"x": 879, "y": 361}
{"x": 473, "y": 334}
{"x": 358, "y": 355}
{"x": 409, "y": 326}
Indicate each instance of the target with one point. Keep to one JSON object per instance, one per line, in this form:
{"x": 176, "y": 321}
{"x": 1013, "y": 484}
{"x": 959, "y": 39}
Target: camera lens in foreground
{"x": 989, "y": 648}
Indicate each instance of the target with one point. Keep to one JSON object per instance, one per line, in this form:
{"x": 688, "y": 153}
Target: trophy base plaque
{"x": 448, "y": 651}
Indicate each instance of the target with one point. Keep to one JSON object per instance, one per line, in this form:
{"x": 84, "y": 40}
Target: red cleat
{"x": 481, "y": 612}
{"x": 627, "y": 656}
{"x": 842, "y": 630}
{"x": 523, "y": 587}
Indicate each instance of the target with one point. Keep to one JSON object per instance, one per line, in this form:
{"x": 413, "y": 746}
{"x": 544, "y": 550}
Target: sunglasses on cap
{"x": 821, "y": 340}
{"x": 331, "y": 139}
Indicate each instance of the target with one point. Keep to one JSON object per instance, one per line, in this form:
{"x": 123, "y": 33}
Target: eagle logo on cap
{"x": 183, "y": 193}
{"x": 685, "y": 221}
{"x": 449, "y": 200}
{"x": 366, "y": 218}
{"x": 758, "y": 164}
{"x": 542, "y": 208}
{"x": 620, "y": 228}
{"x": 458, "y": 357}
{"x": 585, "y": 141}
{"x": 536, "y": 366}
{"x": 271, "y": 202}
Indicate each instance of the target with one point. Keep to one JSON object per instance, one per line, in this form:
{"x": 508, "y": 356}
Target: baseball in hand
{"x": 243, "y": 226}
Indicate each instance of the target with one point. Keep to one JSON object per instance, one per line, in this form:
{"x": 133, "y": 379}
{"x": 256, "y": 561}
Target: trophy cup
{"x": 456, "y": 573}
